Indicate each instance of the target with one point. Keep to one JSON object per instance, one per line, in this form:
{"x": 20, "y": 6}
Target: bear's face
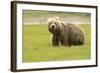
{"x": 54, "y": 25}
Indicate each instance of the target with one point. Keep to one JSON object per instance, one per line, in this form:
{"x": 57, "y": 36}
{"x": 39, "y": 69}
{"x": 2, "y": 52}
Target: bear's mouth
{"x": 54, "y": 31}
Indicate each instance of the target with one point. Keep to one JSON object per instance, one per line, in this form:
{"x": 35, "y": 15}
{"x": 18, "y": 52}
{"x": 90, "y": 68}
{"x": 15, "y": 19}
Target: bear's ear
{"x": 49, "y": 20}
{"x": 57, "y": 18}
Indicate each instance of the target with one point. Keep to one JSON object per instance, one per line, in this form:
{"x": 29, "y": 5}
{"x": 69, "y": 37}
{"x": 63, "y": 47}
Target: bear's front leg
{"x": 64, "y": 41}
{"x": 55, "y": 41}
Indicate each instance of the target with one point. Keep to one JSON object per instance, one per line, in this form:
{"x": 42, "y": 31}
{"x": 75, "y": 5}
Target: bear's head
{"x": 54, "y": 25}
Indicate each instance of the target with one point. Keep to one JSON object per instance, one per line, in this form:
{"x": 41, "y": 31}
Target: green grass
{"x": 37, "y": 46}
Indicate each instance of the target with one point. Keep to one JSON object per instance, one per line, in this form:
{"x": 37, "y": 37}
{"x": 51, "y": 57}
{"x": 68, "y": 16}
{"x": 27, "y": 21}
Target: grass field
{"x": 37, "y": 46}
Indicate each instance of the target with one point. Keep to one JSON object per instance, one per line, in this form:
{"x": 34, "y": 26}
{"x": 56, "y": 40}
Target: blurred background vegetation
{"x": 40, "y": 17}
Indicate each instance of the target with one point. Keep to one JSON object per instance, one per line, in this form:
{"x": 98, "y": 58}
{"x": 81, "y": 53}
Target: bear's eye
{"x": 50, "y": 23}
{"x": 55, "y": 23}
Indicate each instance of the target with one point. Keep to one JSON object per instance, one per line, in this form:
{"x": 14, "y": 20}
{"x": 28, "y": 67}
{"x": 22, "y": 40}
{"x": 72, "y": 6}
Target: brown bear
{"x": 66, "y": 34}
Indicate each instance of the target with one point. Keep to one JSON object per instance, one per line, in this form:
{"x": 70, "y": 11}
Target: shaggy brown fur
{"x": 65, "y": 34}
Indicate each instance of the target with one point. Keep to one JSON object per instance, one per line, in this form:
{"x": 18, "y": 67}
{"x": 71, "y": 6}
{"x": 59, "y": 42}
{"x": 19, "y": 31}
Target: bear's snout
{"x": 53, "y": 26}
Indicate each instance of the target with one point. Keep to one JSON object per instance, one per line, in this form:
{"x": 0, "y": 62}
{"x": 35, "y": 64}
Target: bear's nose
{"x": 53, "y": 26}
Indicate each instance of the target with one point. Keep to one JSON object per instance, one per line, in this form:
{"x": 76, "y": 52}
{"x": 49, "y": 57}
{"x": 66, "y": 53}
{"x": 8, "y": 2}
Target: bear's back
{"x": 75, "y": 34}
